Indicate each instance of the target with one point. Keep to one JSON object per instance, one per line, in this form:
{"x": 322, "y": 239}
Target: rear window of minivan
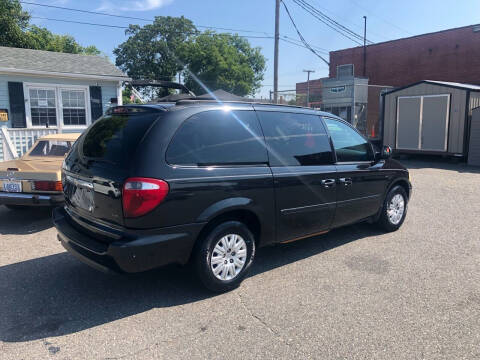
{"x": 114, "y": 138}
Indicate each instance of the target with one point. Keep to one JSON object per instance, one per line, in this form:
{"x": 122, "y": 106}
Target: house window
{"x": 56, "y": 105}
{"x": 73, "y": 107}
{"x": 43, "y": 107}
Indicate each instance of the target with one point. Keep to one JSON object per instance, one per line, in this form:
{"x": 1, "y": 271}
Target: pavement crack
{"x": 259, "y": 319}
{"x": 266, "y": 326}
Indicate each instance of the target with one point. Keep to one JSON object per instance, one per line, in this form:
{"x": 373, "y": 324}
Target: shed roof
{"x": 51, "y": 63}
{"x": 440, "y": 83}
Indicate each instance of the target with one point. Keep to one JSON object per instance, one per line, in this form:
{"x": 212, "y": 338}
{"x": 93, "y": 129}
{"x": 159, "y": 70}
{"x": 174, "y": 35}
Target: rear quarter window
{"x": 218, "y": 137}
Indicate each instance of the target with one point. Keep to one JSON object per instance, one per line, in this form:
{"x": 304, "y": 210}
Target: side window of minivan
{"x": 295, "y": 139}
{"x": 218, "y": 137}
{"x": 349, "y": 145}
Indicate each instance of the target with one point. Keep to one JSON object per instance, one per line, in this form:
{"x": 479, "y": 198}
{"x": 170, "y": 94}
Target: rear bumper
{"x": 30, "y": 199}
{"x": 126, "y": 251}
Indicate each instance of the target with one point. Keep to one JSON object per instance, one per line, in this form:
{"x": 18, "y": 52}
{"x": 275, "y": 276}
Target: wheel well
{"x": 405, "y": 186}
{"x": 249, "y": 218}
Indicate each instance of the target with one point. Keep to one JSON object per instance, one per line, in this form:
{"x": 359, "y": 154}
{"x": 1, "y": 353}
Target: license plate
{"x": 83, "y": 198}
{"x": 80, "y": 193}
{"x": 12, "y": 186}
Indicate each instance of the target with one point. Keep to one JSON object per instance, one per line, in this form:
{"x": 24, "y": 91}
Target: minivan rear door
{"x": 301, "y": 160}
{"x": 101, "y": 160}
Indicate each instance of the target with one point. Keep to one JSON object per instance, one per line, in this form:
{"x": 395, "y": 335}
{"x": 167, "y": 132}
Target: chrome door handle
{"x": 328, "y": 183}
{"x": 346, "y": 181}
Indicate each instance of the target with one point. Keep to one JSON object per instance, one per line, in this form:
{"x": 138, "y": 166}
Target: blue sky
{"x": 387, "y": 19}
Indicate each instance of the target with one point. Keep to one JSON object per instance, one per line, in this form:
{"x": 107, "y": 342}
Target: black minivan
{"x": 207, "y": 183}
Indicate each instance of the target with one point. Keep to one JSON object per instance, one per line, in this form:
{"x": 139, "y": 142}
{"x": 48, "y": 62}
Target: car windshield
{"x": 51, "y": 148}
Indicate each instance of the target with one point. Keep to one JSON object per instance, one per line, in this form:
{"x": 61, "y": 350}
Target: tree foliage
{"x": 171, "y": 45}
{"x": 13, "y": 23}
{"x": 223, "y": 61}
{"x": 155, "y": 50}
{"x": 16, "y": 31}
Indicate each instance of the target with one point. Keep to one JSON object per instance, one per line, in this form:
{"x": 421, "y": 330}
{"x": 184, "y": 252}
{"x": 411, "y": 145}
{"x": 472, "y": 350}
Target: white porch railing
{"x": 16, "y": 142}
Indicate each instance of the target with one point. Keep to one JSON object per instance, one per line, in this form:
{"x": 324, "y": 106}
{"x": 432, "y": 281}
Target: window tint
{"x": 349, "y": 145}
{"x": 114, "y": 139}
{"x": 218, "y": 137}
{"x": 295, "y": 139}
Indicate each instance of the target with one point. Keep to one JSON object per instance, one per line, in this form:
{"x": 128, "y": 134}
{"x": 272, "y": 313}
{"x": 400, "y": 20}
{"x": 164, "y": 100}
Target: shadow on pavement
{"x": 25, "y": 221}
{"x": 57, "y": 295}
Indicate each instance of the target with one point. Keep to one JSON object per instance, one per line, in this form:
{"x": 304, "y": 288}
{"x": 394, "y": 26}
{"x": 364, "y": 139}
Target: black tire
{"x": 384, "y": 220}
{"x": 205, "y": 250}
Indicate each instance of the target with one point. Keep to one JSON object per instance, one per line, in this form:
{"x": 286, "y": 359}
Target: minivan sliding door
{"x": 301, "y": 160}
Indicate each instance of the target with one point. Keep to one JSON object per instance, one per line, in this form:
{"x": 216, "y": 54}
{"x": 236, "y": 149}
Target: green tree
{"x": 155, "y": 51}
{"x": 13, "y": 22}
{"x": 40, "y": 38}
{"x": 16, "y": 31}
{"x": 223, "y": 61}
{"x": 171, "y": 45}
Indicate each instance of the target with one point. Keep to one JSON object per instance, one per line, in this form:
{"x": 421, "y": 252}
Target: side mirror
{"x": 383, "y": 154}
{"x": 386, "y": 152}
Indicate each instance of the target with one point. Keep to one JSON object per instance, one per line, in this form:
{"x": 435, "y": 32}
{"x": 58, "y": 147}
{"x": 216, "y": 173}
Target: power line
{"x": 383, "y": 19}
{"x": 331, "y": 25}
{"x": 302, "y": 46}
{"x": 301, "y": 36}
{"x": 353, "y": 23}
{"x": 151, "y": 20}
{"x": 126, "y": 27}
{"x": 318, "y": 48}
{"x": 267, "y": 35}
{"x": 134, "y": 18}
{"x": 327, "y": 19}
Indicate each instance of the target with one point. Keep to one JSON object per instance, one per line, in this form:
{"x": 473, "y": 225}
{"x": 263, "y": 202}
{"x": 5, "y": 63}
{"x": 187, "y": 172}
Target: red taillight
{"x": 47, "y": 186}
{"x": 141, "y": 195}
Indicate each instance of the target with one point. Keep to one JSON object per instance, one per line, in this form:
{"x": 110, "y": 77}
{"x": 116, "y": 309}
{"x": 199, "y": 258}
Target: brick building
{"x": 449, "y": 55}
{"x": 315, "y": 93}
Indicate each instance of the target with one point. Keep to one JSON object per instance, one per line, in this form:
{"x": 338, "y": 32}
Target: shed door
{"x": 408, "y": 123}
{"x": 434, "y": 122}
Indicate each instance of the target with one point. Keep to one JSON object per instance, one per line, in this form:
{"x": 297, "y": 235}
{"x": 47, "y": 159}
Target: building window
{"x": 43, "y": 106}
{"x": 345, "y": 71}
{"x": 53, "y": 105}
{"x": 73, "y": 107}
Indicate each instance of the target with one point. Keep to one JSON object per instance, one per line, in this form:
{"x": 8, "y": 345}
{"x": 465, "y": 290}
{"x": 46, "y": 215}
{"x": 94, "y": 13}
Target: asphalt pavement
{"x": 355, "y": 293}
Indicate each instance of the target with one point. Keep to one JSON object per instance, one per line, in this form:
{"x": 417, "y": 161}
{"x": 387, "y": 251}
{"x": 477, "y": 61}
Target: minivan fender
{"x": 223, "y": 206}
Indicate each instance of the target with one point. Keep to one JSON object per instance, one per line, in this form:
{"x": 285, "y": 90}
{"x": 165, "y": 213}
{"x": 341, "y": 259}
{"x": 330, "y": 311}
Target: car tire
{"x": 394, "y": 209}
{"x": 224, "y": 256}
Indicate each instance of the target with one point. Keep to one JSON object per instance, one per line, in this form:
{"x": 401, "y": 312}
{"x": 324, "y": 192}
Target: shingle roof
{"x": 30, "y": 60}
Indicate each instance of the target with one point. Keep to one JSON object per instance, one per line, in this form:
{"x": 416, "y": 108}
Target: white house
{"x": 43, "y": 92}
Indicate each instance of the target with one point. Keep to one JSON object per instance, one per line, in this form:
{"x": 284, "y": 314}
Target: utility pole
{"x": 365, "y": 47}
{"x": 308, "y": 84}
{"x": 275, "y": 56}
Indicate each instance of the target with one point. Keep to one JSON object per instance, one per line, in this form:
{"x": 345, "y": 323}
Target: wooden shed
{"x": 430, "y": 117}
